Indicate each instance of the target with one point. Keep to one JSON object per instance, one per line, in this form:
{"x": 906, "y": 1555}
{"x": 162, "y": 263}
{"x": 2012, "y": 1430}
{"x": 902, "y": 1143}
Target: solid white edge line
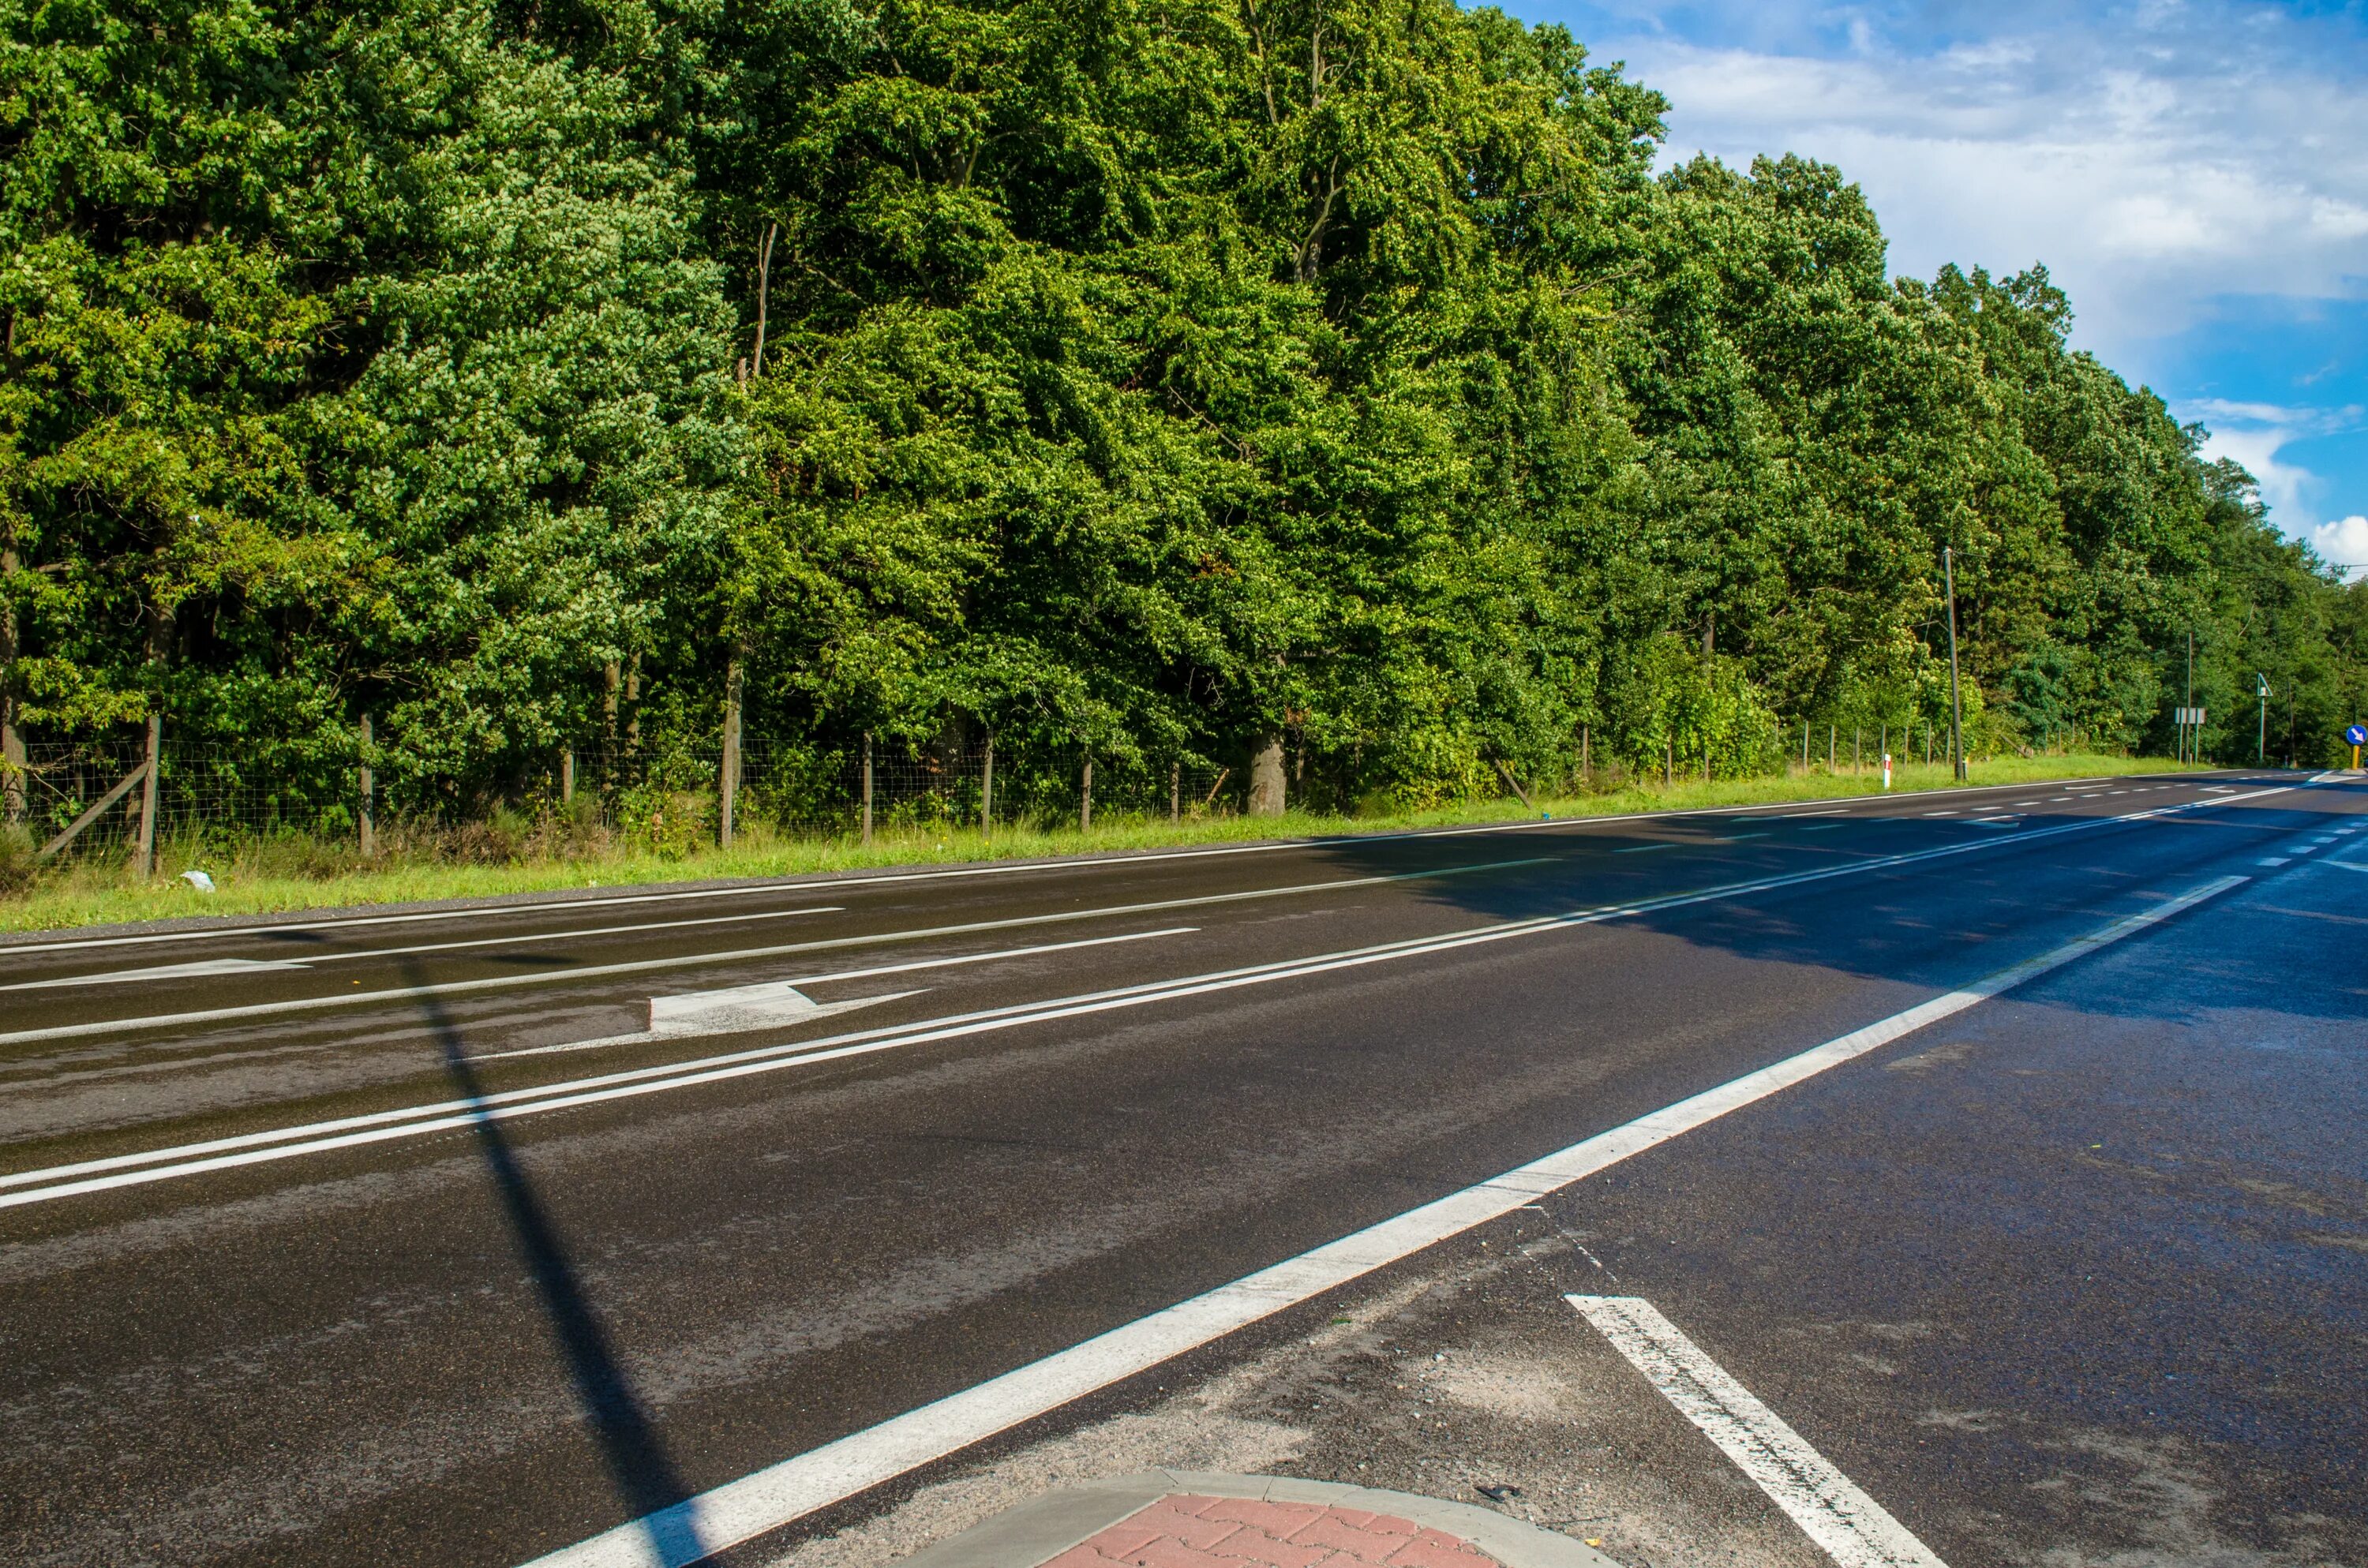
{"x": 1082, "y": 862}
{"x": 1852, "y": 1528}
{"x": 418, "y": 1120}
{"x": 767, "y": 1499}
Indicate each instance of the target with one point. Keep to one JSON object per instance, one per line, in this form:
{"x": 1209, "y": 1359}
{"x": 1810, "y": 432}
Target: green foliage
{"x": 1149, "y": 381}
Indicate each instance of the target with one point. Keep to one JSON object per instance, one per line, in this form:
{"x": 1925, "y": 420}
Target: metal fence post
{"x": 366, "y": 789}
{"x": 866, "y": 787}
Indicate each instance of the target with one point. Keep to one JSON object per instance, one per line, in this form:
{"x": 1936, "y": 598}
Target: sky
{"x": 2192, "y": 173}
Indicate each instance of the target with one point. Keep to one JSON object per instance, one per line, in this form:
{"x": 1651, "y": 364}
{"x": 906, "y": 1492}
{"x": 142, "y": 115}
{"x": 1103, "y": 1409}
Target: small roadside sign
{"x": 2188, "y": 716}
{"x": 2357, "y": 734}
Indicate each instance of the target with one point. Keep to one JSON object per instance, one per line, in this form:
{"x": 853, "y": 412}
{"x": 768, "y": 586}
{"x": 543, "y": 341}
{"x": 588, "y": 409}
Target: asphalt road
{"x": 405, "y": 1240}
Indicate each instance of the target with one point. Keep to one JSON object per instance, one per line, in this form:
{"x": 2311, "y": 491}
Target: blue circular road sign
{"x": 2357, "y": 736}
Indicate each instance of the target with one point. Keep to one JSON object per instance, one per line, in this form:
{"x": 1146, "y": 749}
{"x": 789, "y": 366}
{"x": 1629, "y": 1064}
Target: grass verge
{"x": 253, "y": 881}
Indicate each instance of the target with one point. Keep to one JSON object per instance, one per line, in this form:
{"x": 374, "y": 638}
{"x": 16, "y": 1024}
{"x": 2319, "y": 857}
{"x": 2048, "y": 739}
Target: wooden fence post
{"x": 986, "y": 793}
{"x": 568, "y": 776}
{"x": 145, "y": 864}
{"x": 1174, "y": 791}
{"x": 366, "y": 790}
{"x": 729, "y": 788}
{"x": 1086, "y": 798}
{"x": 866, "y": 787}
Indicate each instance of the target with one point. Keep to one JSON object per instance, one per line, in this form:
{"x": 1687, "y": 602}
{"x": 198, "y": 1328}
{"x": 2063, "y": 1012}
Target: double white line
{"x": 345, "y": 1133}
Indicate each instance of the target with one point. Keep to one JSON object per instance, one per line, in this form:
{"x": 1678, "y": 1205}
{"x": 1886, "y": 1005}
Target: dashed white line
{"x": 1852, "y": 1528}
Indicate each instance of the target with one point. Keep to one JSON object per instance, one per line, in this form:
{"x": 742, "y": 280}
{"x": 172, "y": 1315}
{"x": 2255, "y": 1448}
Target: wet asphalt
{"x": 2098, "y": 1240}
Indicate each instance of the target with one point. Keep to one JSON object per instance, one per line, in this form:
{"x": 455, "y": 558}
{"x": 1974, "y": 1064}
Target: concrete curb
{"x": 1034, "y": 1532}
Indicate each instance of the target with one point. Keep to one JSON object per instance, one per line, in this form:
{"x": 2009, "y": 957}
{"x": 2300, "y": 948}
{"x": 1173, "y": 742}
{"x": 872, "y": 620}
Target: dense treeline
{"x": 1201, "y": 377}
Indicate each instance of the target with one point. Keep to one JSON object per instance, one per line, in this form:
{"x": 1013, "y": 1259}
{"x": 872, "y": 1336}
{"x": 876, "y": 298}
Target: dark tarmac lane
{"x": 314, "y": 1249}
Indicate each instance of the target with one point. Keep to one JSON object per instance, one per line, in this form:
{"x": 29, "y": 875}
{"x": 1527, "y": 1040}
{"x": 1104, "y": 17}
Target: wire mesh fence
{"x": 672, "y": 797}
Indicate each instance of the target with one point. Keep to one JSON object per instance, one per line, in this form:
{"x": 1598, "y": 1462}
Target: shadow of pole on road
{"x": 621, "y": 1428}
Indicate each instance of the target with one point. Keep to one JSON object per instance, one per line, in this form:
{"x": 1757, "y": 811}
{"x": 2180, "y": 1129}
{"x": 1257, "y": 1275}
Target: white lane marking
{"x": 2300, "y": 849}
{"x": 1825, "y": 826}
{"x": 1947, "y": 813}
{"x": 1792, "y": 816}
{"x": 769, "y": 1498}
{"x": 1739, "y": 837}
{"x": 311, "y": 960}
{"x": 439, "y": 1116}
{"x": 1992, "y": 821}
{"x": 2271, "y": 862}
{"x": 1644, "y": 848}
{"x": 719, "y": 1026}
{"x": 699, "y": 960}
{"x": 1852, "y": 1528}
{"x": 414, "y": 1121}
{"x": 794, "y": 1050}
{"x": 161, "y": 971}
{"x": 664, "y": 1005}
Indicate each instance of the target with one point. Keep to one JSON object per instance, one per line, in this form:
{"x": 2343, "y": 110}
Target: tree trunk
{"x": 12, "y": 740}
{"x": 365, "y": 786}
{"x": 764, "y": 281}
{"x": 633, "y": 703}
{"x": 729, "y": 784}
{"x": 1267, "y": 789}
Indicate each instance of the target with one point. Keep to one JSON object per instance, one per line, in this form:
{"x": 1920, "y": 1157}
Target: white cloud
{"x": 2254, "y": 434}
{"x": 2344, "y": 540}
{"x": 2154, "y": 161}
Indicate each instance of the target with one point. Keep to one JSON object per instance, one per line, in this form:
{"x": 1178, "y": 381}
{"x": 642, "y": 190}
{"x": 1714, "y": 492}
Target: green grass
{"x": 269, "y": 877}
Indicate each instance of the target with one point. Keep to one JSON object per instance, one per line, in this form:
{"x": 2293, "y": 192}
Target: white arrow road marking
{"x": 1848, "y": 1525}
{"x": 162, "y": 971}
{"x": 709, "y": 1025}
{"x": 740, "y": 1510}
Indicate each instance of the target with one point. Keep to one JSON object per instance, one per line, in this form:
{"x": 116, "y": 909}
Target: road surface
{"x": 465, "y": 1237}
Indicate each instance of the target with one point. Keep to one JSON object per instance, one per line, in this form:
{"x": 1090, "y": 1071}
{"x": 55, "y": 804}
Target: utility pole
{"x": 2186, "y": 754}
{"x": 1956, "y": 699}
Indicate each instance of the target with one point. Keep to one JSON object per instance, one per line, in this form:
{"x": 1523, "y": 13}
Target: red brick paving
{"x": 1240, "y": 1532}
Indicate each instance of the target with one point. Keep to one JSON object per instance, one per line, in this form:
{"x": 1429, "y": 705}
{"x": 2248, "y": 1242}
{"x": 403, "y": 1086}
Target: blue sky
{"x": 2193, "y": 173}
